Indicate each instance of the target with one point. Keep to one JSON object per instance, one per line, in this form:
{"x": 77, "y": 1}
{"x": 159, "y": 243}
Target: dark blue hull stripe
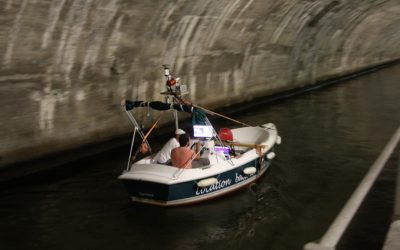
{"x": 188, "y": 192}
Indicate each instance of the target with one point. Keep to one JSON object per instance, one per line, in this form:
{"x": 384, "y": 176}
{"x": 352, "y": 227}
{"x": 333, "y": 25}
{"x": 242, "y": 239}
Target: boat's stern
{"x": 145, "y": 191}
{"x": 147, "y": 183}
{"x": 274, "y": 137}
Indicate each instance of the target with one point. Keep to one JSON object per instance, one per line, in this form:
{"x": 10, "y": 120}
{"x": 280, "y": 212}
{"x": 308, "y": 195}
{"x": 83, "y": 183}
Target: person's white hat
{"x": 180, "y": 131}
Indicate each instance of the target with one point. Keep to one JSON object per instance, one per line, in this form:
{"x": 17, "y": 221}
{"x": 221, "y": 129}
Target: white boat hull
{"x": 165, "y": 185}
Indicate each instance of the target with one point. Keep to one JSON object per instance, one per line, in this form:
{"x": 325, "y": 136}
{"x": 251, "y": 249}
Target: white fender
{"x": 250, "y": 170}
{"x": 271, "y": 155}
{"x": 278, "y": 140}
{"x": 207, "y": 182}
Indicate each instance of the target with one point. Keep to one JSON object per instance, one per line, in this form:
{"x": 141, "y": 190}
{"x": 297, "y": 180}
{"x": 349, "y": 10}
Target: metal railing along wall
{"x": 332, "y": 236}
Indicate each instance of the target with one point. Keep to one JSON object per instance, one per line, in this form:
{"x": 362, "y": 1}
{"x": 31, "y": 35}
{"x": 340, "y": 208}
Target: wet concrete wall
{"x": 65, "y": 65}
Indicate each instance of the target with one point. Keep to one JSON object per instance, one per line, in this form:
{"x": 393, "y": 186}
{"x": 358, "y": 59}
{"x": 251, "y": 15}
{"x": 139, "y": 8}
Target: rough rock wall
{"x": 65, "y": 65}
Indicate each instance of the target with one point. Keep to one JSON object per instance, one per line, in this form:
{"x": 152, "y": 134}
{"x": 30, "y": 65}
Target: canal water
{"x": 330, "y": 138}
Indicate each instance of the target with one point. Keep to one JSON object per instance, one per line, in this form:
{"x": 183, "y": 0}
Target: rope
{"x": 220, "y": 115}
{"x": 211, "y": 112}
{"x": 151, "y": 129}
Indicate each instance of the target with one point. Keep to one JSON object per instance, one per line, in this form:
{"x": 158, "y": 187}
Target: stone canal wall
{"x": 65, "y": 65}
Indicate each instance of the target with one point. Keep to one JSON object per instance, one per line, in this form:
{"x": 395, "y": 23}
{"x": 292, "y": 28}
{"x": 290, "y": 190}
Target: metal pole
{"x": 136, "y": 125}
{"x": 392, "y": 236}
{"x": 397, "y": 193}
{"x": 336, "y": 230}
{"x": 176, "y": 119}
{"x": 130, "y": 152}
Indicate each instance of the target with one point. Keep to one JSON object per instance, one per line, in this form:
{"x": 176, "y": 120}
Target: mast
{"x": 174, "y": 91}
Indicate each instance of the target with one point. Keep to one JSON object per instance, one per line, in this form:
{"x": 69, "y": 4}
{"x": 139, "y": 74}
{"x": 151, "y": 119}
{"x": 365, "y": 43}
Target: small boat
{"x": 230, "y": 158}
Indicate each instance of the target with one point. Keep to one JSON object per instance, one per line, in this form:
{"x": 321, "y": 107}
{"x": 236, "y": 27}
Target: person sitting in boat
{"x": 183, "y": 156}
{"x": 164, "y": 155}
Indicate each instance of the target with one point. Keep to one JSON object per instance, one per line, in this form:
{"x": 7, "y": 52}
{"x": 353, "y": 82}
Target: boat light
{"x": 250, "y": 170}
{"x": 207, "y": 182}
{"x": 271, "y": 155}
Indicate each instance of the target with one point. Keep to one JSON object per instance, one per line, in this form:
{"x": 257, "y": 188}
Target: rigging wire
{"x": 211, "y": 112}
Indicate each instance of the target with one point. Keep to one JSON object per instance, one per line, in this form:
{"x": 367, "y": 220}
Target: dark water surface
{"x": 330, "y": 139}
